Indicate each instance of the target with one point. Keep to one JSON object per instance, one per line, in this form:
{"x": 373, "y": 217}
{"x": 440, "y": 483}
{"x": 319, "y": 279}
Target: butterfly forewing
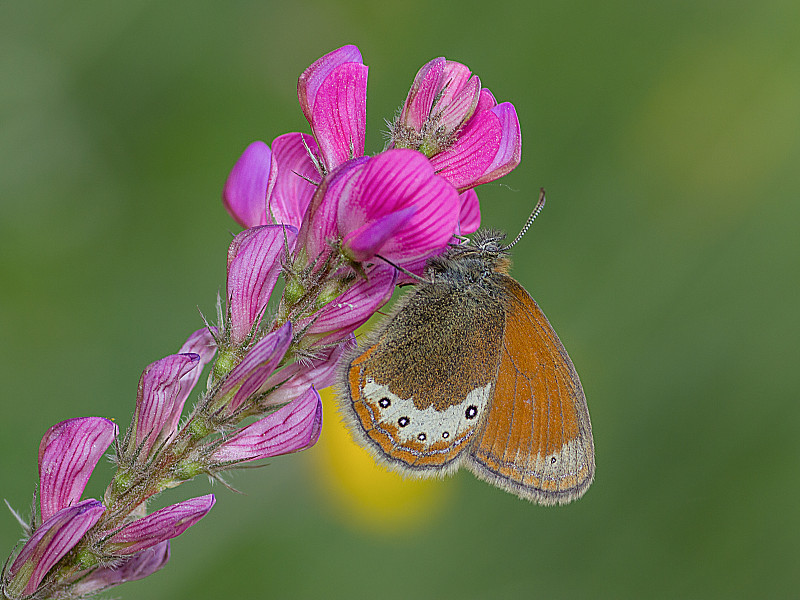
{"x": 537, "y": 437}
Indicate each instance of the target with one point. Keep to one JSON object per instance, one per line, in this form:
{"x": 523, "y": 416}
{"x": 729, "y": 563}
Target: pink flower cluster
{"x": 335, "y": 224}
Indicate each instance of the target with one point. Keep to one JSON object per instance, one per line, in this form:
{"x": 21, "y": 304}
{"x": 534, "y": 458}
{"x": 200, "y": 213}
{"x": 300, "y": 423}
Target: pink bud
{"x": 49, "y": 543}
{"x": 159, "y": 526}
{"x": 68, "y": 454}
{"x": 291, "y": 428}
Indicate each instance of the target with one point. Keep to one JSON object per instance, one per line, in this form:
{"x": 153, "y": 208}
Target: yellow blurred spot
{"x": 366, "y": 494}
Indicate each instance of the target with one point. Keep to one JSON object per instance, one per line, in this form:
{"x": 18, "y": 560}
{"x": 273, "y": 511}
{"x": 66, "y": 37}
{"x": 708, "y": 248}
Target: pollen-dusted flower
{"x": 443, "y": 96}
{"x": 469, "y": 138}
{"x": 159, "y": 526}
{"x": 248, "y": 186}
{"x": 254, "y": 264}
{"x": 293, "y": 427}
{"x": 52, "y": 540}
{"x": 333, "y": 96}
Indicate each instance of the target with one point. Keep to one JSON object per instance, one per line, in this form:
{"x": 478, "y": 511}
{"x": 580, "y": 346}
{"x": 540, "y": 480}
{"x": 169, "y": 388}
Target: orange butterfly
{"x": 467, "y": 371}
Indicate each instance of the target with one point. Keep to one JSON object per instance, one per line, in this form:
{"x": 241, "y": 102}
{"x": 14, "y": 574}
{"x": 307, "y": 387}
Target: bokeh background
{"x": 668, "y": 138}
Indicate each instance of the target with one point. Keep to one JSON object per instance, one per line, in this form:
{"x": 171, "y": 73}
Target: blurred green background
{"x": 668, "y": 138}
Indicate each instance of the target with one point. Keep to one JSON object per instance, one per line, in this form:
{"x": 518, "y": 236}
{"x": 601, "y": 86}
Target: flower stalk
{"x": 332, "y": 224}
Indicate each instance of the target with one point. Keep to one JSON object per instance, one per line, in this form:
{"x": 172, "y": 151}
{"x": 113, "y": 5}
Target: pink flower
{"x": 296, "y": 426}
{"x": 159, "y": 526}
{"x": 318, "y": 372}
{"x": 333, "y": 96}
{"x": 266, "y": 187}
{"x": 202, "y": 343}
{"x": 392, "y": 204}
{"x": 160, "y": 400}
{"x": 50, "y": 542}
{"x": 348, "y": 311}
{"x": 297, "y": 177}
{"x": 488, "y": 147}
{"x": 469, "y": 138}
{"x": 247, "y": 378}
{"x": 68, "y": 453}
{"x": 443, "y": 96}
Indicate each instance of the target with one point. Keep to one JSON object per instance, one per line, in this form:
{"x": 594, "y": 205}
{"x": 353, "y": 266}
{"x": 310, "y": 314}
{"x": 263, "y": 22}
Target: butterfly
{"x": 467, "y": 372}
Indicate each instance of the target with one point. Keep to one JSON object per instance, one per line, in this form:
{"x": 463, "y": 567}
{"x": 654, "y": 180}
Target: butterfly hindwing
{"x": 537, "y": 438}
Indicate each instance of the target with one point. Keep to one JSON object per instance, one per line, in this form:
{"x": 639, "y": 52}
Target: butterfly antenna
{"x": 536, "y": 210}
{"x": 403, "y": 270}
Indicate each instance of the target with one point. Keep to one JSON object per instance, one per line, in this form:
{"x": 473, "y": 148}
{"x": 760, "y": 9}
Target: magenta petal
{"x": 293, "y": 427}
{"x": 366, "y": 241}
{"x": 309, "y": 82}
{"x": 158, "y": 397}
{"x": 49, "y": 543}
{"x": 455, "y": 79}
{"x": 394, "y": 180}
{"x": 422, "y": 94}
{"x": 320, "y": 224}
{"x": 260, "y": 362}
{"x": 248, "y": 185}
{"x": 485, "y": 101}
{"x": 469, "y": 158}
{"x": 68, "y": 453}
{"x": 509, "y": 152}
{"x": 254, "y": 264}
{"x": 138, "y": 566}
{"x": 295, "y": 171}
{"x": 159, "y": 526}
{"x": 489, "y": 147}
{"x": 470, "y": 217}
{"x": 353, "y": 308}
{"x": 339, "y": 114}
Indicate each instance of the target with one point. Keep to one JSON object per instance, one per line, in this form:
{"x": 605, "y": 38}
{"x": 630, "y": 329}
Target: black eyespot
{"x": 384, "y": 403}
{"x": 422, "y": 437}
{"x": 553, "y": 460}
{"x": 446, "y": 434}
{"x": 471, "y": 412}
{"x": 403, "y": 421}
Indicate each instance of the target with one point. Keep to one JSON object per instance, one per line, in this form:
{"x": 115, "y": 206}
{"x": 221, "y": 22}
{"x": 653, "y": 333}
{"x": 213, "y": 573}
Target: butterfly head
{"x": 484, "y": 253}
